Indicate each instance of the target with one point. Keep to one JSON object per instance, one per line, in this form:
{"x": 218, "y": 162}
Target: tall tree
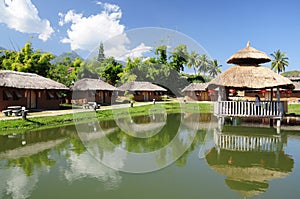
{"x": 101, "y": 55}
{"x": 204, "y": 64}
{"x": 279, "y": 62}
{"x": 194, "y": 61}
{"x": 214, "y": 68}
{"x": 161, "y": 52}
{"x": 179, "y": 57}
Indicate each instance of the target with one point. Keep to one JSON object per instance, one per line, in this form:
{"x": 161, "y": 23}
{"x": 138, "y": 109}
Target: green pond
{"x": 154, "y": 156}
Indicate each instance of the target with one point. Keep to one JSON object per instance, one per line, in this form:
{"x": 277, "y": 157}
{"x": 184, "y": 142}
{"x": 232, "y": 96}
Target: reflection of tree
{"x": 142, "y": 145}
{"x": 29, "y": 163}
{"x": 199, "y": 139}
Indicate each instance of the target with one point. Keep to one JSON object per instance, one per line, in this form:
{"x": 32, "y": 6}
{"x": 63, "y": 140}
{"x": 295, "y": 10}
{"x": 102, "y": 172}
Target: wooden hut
{"x": 248, "y": 74}
{"x": 29, "y": 90}
{"x": 196, "y": 92}
{"x": 92, "y": 90}
{"x": 143, "y": 91}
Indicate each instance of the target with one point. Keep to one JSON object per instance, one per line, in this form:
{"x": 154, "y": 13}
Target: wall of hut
{"x": 288, "y": 96}
{"x": 31, "y": 99}
{"x": 100, "y": 97}
{"x": 197, "y": 96}
{"x": 144, "y": 96}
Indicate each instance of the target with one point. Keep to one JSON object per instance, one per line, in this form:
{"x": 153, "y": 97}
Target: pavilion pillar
{"x": 271, "y": 120}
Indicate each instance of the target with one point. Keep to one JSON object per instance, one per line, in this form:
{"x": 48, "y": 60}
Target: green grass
{"x": 294, "y": 108}
{"x": 21, "y": 126}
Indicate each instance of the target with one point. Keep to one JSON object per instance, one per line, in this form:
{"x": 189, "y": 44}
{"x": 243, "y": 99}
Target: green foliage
{"x": 279, "y": 62}
{"x": 26, "y": 60}
{"x": 65, "y": 71}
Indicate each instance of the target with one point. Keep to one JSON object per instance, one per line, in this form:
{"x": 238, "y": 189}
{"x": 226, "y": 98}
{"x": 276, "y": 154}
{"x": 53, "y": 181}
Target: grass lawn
{"x": 21, "y": 126}
{"x": 294, "y": 108}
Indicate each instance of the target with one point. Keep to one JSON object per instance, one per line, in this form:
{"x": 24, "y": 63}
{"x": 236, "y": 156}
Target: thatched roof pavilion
{"x": 140, "y": 86}
{"x": 92, "y": 85}
{"x": 248, "y": 74}
{"x": 20, "y": 80}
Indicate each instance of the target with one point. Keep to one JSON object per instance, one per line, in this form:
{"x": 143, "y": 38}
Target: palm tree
{"x": 204, "y": 63}
{"x": 214, "y": 68}
{"x": 279, "y": 62}
{"x": 193, "y": 61}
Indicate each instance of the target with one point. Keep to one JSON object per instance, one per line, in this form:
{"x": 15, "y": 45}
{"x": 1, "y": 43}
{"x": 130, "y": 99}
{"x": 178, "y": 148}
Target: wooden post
{"x": 271, "y": 120}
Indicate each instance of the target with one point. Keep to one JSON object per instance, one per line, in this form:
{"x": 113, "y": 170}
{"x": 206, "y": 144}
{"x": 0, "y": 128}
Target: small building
{"x": 29, "y": 90}
{"x": 92, "y": 90}
{"x": 196, "y": 92}
{"x": 249, "y": 75}
{"x": 143, "y": 91}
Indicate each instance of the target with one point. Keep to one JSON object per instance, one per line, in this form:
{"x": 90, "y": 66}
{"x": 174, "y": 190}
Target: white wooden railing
{"x": 248, "y": 143}
{"x": 248, "y": 109}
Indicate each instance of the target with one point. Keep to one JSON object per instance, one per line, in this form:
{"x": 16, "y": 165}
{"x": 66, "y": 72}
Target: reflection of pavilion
{"x": 249, "y": 161}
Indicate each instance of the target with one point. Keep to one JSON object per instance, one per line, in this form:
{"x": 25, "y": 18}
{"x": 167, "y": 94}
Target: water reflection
{"x": 132, "y": 152}
{"x": 249, "y": 160}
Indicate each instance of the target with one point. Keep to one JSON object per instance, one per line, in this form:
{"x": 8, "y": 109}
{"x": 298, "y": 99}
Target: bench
{"x": 17, "y": 112}
{"x": 7, "y": 112}
{"x": 93, "y": 105}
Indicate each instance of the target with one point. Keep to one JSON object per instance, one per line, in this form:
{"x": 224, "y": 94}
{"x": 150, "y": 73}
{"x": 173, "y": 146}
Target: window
{"x": 7, "y": 95}
{"x": 50, "y": 95}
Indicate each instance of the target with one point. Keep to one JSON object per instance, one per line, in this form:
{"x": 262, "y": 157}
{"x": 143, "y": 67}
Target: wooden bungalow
{"x": 197, "y": 92}
{"x": 143, "y": 91}
{"x": 248, "y": 74}
{"x": 29, "y": 90}
{"x": 92, "y": 90}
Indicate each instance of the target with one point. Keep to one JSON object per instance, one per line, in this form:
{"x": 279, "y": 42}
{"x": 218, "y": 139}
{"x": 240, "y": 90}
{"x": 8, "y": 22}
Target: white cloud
{"x": 86, "y": 32}
{"x": 135, "y": 52}
{"x": 22, "y": 15}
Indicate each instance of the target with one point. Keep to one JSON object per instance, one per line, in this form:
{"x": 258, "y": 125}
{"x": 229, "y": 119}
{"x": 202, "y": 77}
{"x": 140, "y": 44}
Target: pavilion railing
{"x": 248, "y": 143}
{"x": 248, "y": 109}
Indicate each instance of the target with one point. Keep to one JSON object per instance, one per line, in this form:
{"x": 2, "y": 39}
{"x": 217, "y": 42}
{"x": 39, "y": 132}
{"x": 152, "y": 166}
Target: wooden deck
{"x": 269, "y": 109}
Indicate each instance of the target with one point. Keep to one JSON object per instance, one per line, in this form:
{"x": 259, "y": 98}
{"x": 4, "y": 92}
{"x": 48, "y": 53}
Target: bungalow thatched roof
{"x": 13, "y": 79}
{"x": 248, "y": 74}
{"x": 93, "y": 85}
{"x": 140, "y": 86}
{"x": 248, "y": 55}
{"x": 195, "y": 87}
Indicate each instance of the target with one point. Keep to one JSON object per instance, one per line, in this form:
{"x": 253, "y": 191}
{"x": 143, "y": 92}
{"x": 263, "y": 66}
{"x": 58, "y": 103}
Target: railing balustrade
{"x": 249, "y": 109}
{"x": 248, "y": 143}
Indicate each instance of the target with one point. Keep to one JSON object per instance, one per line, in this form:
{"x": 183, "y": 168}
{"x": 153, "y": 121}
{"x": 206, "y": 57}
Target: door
{"x": 146, "y": 96}
{"x": 31, "y": 100}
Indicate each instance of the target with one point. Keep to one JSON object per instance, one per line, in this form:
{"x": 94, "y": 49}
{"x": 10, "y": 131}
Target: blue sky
{"x": 220, "y": 27}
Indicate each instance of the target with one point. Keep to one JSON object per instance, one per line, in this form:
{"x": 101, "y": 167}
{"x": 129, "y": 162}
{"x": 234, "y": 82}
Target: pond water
{"x": 90, "y": 160}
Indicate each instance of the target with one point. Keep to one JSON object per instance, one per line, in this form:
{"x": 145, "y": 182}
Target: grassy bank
{"x": 20, "y": 125}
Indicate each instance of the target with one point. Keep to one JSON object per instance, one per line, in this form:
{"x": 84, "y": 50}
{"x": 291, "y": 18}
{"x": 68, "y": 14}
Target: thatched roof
{"x": 140, "y": 86}
{"x": 248, "y": 55}
{"x": 195, "y": 87}
{"x": 297, "y": 86}
{"x": 248, "y": 74}
{"x": 13, "y": 79}
{"x": 251, "y": 77}
{"x": 93, "y": 85}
